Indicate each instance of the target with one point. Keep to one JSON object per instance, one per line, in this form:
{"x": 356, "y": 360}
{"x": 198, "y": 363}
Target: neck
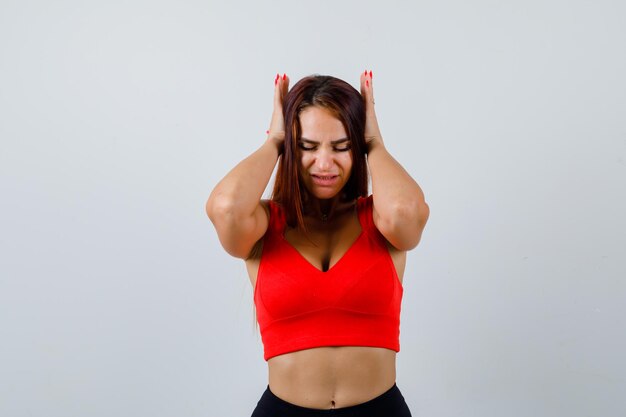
{"x": 323, "y": 209}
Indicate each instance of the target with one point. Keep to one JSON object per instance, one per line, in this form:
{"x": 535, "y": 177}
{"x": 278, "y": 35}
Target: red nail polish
{"x": 367, "y": 83}
{"x": 284, "y": 77}
{"x": 276, "y": 79}
{"x": 370, "y": 73}
{"x": 365, "y": 73}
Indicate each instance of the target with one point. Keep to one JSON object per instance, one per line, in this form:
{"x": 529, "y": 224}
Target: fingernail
{"x": 267, "y": 132}
{"x": 276, "y": 79}
{"x": 284, "y": 76}
{"x": 365, "y": 73}
{"x": 370, "y": 74}
{"x": 367, "y": 83}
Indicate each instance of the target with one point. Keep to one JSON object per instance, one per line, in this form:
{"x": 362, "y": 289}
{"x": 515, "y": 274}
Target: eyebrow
{"x": 333, "y": 142}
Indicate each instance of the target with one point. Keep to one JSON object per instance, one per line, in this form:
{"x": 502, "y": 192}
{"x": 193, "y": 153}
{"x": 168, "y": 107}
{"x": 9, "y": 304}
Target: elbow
{"x": 221, "y": 211}
{"x": 422, "y": 219}
{"x": 220, "y": 208}
{"x": 420, "y": 223}
{"x": 403, "y": 227}
{"x": 423, "y": 215}
{"x": 411, "y": 213}
{"x": 230, "y": 226}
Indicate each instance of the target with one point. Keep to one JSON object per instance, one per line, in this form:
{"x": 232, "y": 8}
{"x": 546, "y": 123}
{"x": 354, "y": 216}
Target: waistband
{"x": 381, "y": 405}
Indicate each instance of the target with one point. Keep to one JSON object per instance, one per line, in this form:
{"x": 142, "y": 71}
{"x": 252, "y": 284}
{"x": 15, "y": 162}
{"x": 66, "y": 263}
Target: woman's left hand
{"x": 372, "y": 131}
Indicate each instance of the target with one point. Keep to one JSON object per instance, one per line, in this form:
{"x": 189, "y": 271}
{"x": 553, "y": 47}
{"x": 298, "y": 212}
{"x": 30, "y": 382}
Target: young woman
{"x": 325, "y": 260}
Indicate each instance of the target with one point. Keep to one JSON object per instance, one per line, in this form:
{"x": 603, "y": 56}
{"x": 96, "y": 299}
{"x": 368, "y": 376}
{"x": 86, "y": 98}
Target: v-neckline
{"x": 330, "y": 269}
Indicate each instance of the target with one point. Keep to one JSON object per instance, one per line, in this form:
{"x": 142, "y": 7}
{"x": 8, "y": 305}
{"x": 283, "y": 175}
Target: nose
{"x": 324, "y": 160}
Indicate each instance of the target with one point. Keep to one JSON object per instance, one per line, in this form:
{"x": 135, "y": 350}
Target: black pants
{"x": 389, "y": 404}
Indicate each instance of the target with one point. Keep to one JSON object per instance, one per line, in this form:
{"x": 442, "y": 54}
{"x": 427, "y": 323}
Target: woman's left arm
{"x": 400, "y": 210}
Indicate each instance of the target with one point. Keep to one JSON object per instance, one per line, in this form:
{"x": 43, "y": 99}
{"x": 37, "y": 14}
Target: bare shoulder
{"x": 253, "y": 260}
{"x": 266, "y": 206}
{"x": 255, "y": 252}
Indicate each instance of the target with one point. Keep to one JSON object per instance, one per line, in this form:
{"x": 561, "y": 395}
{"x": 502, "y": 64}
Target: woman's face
{"x": 324, "y": 153}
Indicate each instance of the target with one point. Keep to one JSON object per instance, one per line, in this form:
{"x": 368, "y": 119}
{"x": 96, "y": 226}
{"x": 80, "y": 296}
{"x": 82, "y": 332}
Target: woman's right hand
{"x": 276, "y": 132}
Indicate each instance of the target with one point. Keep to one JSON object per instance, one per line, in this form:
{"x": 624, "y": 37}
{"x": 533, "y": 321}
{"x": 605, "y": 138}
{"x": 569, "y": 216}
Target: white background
{"x": 118, "y": 118}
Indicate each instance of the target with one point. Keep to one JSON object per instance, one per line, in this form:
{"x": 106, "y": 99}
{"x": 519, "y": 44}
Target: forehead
{"x": 319, "y": 124}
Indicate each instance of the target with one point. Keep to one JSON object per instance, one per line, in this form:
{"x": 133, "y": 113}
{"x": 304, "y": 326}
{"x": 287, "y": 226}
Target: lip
{"x": 326, "y": 180}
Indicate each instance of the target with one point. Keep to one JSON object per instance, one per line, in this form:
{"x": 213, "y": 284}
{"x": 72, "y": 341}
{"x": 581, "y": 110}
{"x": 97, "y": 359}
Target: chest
{"x": 323, "y": 247}
{"x": 362, "y": 279}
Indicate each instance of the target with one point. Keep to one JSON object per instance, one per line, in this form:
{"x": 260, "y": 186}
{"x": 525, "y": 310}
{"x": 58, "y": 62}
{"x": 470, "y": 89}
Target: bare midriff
{"x": 332, "y": 376}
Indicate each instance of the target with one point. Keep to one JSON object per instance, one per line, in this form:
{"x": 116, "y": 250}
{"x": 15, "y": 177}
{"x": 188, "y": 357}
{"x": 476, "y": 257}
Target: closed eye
{"x": 304, "y": 147}
{"x": 342, "y": 148}
{"x": 308, "y": 145}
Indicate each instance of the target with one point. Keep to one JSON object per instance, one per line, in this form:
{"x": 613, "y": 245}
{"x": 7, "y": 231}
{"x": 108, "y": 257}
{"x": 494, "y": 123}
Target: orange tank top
{"x": 355, "y": 303}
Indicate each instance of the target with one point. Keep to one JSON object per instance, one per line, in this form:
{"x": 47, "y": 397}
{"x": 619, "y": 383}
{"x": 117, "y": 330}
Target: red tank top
{"x": 355, "y": 303}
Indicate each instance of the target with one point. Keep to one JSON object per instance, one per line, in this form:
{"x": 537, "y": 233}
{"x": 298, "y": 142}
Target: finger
{"x": 284, "y": 85}
{"x": 277, "y": 91}
{"x": 367, "y": 89}
{"x": 281, "y": 87}
{"x": 367, "y": 86}
{"x": 362, "y": 83}
{"x": 277, "y": 123}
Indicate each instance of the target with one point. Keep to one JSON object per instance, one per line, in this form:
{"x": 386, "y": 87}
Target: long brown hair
{"x": 345, "y": 103}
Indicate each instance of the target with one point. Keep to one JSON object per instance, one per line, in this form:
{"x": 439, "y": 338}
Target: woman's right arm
{"x": 234, "y": 206}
